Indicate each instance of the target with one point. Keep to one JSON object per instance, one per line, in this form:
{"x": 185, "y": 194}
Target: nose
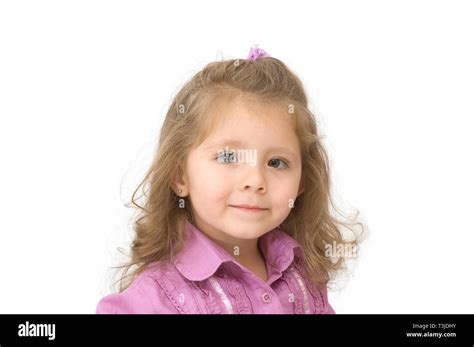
{"x": 254, "y": 179}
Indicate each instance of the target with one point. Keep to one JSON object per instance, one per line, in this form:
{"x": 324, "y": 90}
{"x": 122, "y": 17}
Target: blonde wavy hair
{"x": 159, "y": 224}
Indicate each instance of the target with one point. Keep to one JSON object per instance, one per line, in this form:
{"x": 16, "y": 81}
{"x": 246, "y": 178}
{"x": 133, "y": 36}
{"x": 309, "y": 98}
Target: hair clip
{"x": 256, "y": 53}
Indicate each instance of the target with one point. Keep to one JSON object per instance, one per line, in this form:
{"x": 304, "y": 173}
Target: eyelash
{"x": 282, "y": 160}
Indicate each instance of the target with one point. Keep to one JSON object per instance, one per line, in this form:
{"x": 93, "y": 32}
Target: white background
{"x": 84, "y": 87}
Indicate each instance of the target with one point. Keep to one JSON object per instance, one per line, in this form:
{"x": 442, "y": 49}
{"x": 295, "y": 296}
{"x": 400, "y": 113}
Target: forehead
{"x": 244, "y": 120}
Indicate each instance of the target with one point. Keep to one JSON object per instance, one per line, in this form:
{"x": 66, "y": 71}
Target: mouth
{"x": 249, "y": 208}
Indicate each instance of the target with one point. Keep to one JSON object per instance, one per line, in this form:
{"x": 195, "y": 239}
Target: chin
{"x": 246, "y": 233}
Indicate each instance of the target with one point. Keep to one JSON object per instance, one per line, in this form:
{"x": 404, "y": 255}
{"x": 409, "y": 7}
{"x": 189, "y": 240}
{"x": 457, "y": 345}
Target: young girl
{"x": 237, "y": 217}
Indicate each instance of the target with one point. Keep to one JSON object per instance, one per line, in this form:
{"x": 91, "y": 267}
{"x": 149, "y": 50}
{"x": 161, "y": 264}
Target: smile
{"x": 250, "y": 209}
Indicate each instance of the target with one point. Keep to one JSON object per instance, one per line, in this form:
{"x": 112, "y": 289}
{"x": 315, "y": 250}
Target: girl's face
{"x": 252, "y": 157}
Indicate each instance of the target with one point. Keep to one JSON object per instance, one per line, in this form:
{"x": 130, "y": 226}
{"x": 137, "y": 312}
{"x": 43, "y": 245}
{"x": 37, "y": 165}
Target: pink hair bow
{"x": 256, "y": 53}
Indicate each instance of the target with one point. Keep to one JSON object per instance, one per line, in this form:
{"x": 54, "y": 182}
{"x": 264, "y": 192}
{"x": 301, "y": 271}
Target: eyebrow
{"x": 238, "y": 143}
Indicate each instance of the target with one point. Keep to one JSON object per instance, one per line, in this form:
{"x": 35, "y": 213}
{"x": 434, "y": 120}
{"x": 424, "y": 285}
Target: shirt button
{"x": 266, "y": 297}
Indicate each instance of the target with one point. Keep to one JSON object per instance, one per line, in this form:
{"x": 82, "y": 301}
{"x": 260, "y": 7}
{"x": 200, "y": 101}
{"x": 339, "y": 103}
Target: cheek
{"x": 283, "y": 192}
{"x": 208, "y": 183}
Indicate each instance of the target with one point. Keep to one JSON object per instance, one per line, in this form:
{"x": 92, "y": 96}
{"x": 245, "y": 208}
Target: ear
{"x": 179, "y": 180}
{"x": 301, "y": 189}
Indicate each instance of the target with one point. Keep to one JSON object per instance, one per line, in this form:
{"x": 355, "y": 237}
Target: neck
{"x": 248, "y": 254}
{"x": 245, "y": 251}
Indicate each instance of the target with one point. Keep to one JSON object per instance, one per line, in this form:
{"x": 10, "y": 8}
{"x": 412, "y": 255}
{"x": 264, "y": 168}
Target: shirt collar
{"x": 201, "y": 257}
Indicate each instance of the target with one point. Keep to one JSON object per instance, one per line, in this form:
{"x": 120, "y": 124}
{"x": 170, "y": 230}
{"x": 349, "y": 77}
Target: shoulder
{"x": 145, "y": 295}
{"x": 319, "y": 292}
{"x": 320, "y": 295}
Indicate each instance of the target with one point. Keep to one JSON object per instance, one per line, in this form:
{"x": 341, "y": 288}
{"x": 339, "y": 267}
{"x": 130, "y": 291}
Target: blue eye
{"x": 281, "y": 161}
{"x": 226, "y": 157}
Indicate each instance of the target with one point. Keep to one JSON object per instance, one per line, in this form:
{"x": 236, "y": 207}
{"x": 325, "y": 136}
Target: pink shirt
{"x": 205, "y": 278}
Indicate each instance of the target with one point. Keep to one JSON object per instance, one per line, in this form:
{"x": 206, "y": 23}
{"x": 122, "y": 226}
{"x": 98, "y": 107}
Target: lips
{"x": 250, "y": 207}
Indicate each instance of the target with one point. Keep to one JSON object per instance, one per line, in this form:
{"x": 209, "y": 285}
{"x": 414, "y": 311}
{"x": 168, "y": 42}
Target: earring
{"x": 179, "y": 191}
